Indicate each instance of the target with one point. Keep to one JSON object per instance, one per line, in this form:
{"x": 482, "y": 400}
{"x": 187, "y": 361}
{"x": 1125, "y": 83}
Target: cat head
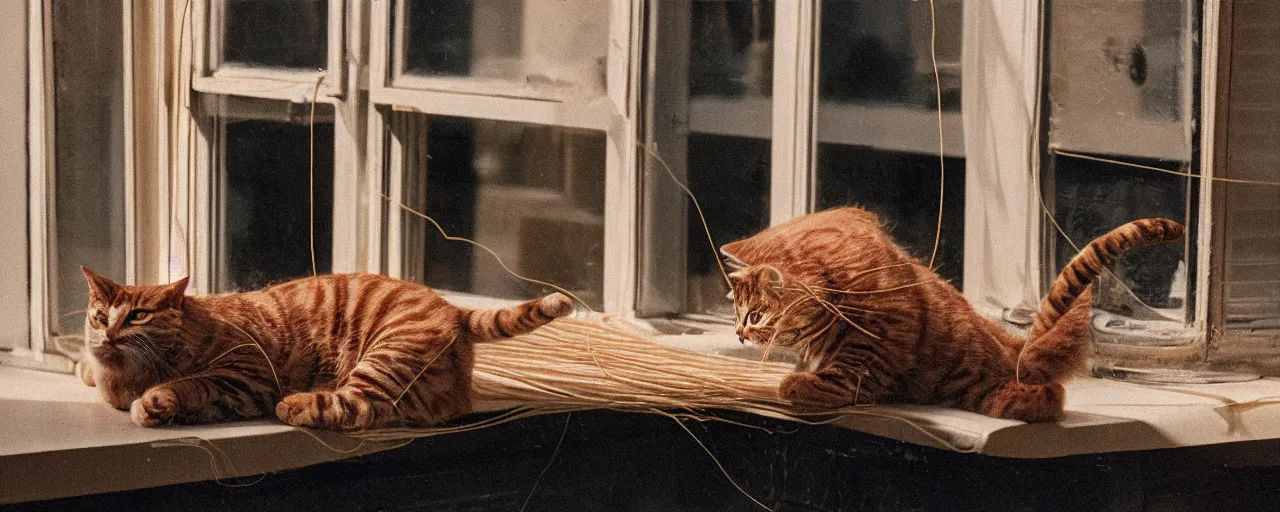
{"x": 133, "y": 329}
{"x": 770, "y": 308}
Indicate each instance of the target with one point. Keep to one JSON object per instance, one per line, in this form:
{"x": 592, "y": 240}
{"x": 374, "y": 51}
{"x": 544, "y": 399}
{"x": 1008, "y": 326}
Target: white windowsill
{"x": 61, "y": 440}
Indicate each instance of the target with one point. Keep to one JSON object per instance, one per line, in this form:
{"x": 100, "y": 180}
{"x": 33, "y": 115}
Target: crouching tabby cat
{"x": 874, "y": 325}
{"x": 344, "y": 352}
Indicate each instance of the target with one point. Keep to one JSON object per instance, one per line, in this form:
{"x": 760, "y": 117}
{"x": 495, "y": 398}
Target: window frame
{"x": 614, "y": 114}
{"x": 296, "y": 85}
{"x": 293, "y": 86}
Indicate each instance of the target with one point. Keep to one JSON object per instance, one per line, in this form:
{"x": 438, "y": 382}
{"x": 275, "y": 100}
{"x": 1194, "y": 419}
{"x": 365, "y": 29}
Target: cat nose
{"x": 742, "y": 337}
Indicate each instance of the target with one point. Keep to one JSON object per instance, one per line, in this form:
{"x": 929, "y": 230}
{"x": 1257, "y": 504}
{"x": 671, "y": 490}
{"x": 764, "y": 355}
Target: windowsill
{"x": 59, "y": 435}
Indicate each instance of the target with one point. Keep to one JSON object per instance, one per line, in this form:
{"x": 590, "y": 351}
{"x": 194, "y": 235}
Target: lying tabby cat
{"x": 873, "y": 325}
{"x": 342, "y": 349}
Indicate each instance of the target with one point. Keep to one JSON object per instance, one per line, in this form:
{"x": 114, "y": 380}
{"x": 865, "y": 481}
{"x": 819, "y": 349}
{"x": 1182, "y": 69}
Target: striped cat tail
{"x": 1086, "y": 266}
{"x": 492, "y": 324}
{"x": 1054, "y": 348}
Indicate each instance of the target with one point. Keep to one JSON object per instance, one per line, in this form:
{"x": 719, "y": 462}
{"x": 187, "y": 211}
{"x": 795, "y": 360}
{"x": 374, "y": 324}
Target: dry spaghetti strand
{"x": 311, "y": 198}
{"x": 942, "y": 161}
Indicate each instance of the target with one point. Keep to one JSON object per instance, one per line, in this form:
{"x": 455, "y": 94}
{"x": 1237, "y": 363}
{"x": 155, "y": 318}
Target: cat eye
{"x": 754, "y": 317}
{"x": 100, "y": 319}
{"x": 138, "y": 316}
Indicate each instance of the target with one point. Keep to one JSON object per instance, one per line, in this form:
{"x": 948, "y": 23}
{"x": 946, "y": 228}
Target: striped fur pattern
{"x": 343, "y": 352}
{"x": 874, "y": 325}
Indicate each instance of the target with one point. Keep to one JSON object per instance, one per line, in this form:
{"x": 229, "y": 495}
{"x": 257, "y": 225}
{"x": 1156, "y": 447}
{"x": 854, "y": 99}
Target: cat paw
{"x": 807, "y": 390}
{"x": 156, "y": 407}
{"x": 556, "y": 305}
{"x": 299, "y": 410}
{"x": 342, "y": 410}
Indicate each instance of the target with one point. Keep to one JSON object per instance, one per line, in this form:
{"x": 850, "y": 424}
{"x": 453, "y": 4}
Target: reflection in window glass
{"x": 265, "y": 231}
{"x": 878, "y": 124}
{"x": 561, "y": 44}
{"x": 276, "y": 33}
{"x": 88, "y": 152}
{"x": 711, "y": 118}
{"x": 534, "y": 194}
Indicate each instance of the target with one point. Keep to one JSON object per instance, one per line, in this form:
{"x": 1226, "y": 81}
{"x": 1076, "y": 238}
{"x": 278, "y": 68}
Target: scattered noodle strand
{"x": 721, "y": 466}
{"x": 715, "y": 251}
{"x": 311, "y": 199}
{"x": 942, "y": 160}
{"x": 554, "y": 452}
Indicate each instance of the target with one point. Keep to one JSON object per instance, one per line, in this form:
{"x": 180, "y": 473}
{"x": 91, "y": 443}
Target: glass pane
{"x": 1130, "y": 108}
{"x": 711, "y": 122}
{"x": 560, "y": 45}
{"x": 878, "y": 123}
{"x": 1120, "y": 82}
{"x": 275, "y": 33}
{"x": 265, "y": 232}
{"x": 533, "y": 194}
{"x": 89, "y": 172}
{"x": 1251, "y": 245}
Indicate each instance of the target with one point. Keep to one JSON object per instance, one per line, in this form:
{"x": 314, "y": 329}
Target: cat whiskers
{"x": 143, "y": 347}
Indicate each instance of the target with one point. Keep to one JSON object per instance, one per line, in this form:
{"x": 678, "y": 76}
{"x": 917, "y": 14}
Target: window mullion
{"x": 794, "y": 97}
{"x": 622, "y": 196}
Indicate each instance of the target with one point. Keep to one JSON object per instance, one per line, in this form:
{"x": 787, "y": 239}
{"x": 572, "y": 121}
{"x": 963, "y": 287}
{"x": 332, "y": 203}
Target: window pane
{"x": 1131, "y": 107}
{"x": 878, "y": 123}
{"x": 265, "y": 232}
{"x": 533, "y": 194}
{"x": 89, "y": 172}
{"x": 1251, "y": 245}
{"x": 711, "y": 122}
{"x": 560, "y": 45}
{"x": 276, "y": 33}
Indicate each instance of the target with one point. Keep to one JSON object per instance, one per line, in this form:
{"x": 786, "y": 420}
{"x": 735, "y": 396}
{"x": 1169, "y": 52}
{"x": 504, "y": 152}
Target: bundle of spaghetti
{"x": 595, "y": 363}
{"x": 574, "y": 365}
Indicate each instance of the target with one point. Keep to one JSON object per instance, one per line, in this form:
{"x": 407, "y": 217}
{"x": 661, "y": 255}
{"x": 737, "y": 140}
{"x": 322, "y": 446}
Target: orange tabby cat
{"x": 874, "y": 325}
{"x": 342, "y": 350}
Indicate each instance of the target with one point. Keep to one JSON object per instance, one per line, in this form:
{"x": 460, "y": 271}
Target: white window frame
{"x": 795, "y": 131}
{"x": 42, "y": 314}
{"x": 614, "y": 114}
{"x": 296, "y": 85}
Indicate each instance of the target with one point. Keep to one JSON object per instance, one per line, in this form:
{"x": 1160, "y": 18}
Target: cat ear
{"x": 737, "y": 275}
{"x": 770, "y": 275}
{"x": 100, "y": 286}
{"x": 175, "y": 292}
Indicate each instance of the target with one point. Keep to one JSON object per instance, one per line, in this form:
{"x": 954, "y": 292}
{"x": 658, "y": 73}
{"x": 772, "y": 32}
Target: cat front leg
{"x": 833, "y": 387}
{"x": 203, "y": 398}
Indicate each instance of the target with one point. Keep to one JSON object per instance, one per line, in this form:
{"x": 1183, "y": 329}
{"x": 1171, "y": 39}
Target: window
{"x": 770, "y": 110}
{"x": 268, "y": 49}
{"x": 263, "y": 192}
{"x": 559, "y": 133}
{"x": 709, "y": 107}
{"x": 504, "y": 123}
{"x": 534, "y": 194}
{"x": 878, "y": 126}
{"x": 1107, "y": 119}
{"x": 273, "y": 170}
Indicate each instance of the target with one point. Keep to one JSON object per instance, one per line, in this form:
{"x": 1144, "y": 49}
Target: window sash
{"x": 216, "y": 77}
{"x": 612, "y": 114}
